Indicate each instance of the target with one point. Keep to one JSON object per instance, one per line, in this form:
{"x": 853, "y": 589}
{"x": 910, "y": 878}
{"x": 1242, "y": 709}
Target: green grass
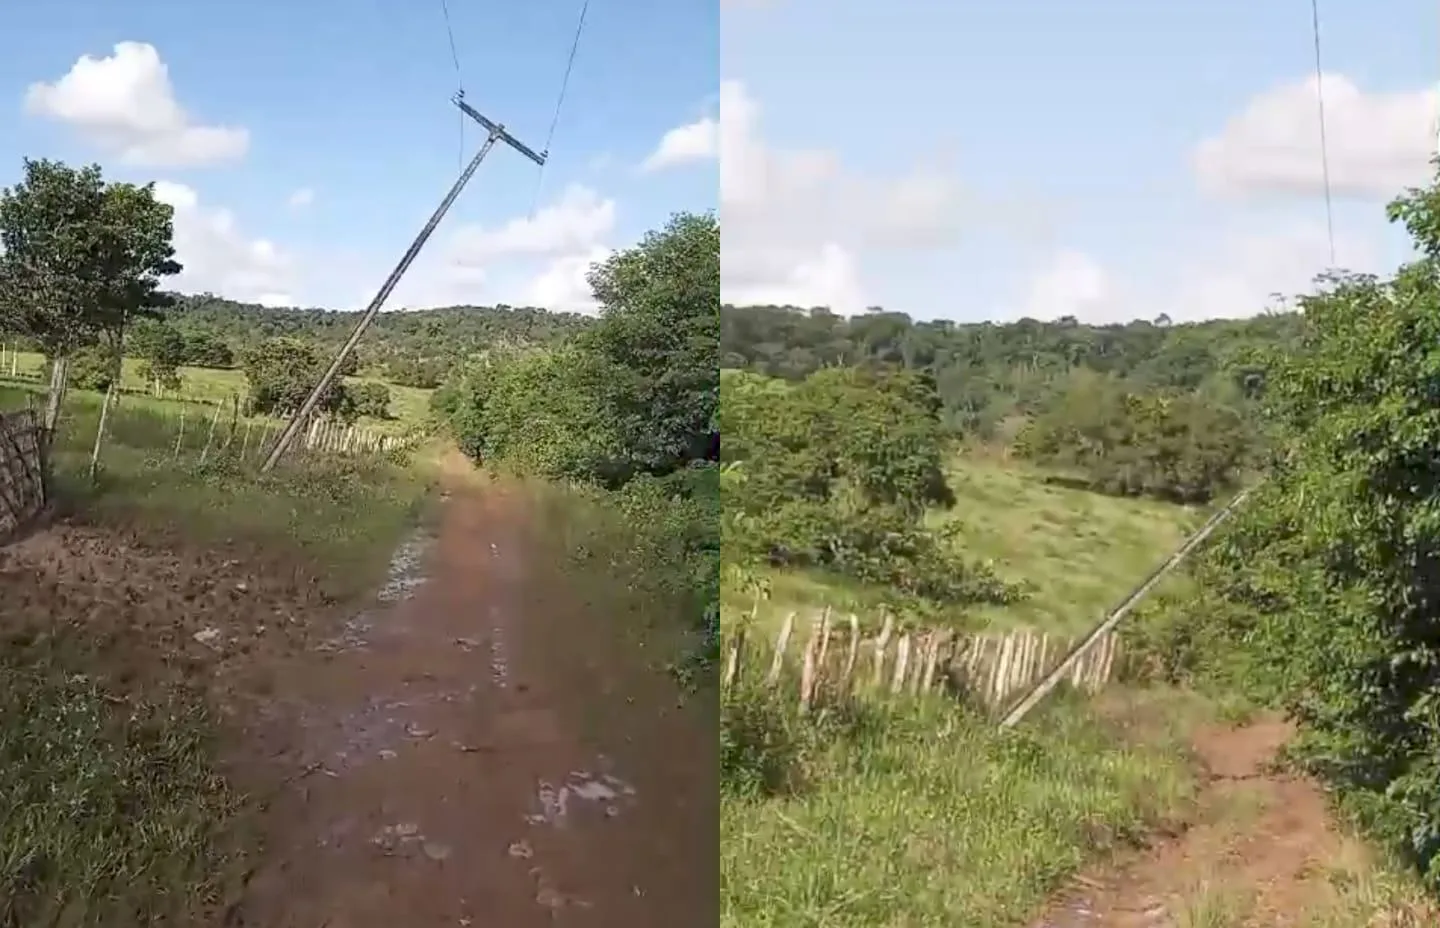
{"x": 921, "y": 815}
{"x": 112, "y": 810}
{"x": 1079, "y": 553}
{"x": 409, "y": 406}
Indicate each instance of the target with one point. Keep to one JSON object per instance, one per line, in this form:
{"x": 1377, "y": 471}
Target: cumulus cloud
{"x": 798, "y": 221}
{"x": 573, "y": 224}
{"x": 1071, "y": 283}
{"x": 1378, "y": 143}
{"x": 1244, "y": 273}
{"x": 220, "y": 258}
{"x": 537, "y": 260}
{"x": 126, "y": 105}
{"x": 687, "y": 144}
{"x": 562, "y": 285}
{"x": 301, "y": 198}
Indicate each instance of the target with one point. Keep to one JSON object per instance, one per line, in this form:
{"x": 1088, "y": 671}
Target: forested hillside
{"x": 986, "y": 373}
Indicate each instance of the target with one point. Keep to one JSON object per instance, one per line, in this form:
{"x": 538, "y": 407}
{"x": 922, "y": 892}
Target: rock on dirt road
{"x": 448, "y": 768}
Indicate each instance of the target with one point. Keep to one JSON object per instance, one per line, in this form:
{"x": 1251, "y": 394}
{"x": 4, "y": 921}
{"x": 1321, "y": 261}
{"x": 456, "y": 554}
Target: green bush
{"x": 628, "y": 405}
{"x": 837, "y": 472}
{"x": 1171, "y": 445}
{"x": 1322, "y": 594}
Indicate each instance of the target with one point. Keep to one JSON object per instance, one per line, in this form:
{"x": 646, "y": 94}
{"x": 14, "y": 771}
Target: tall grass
{"x": 919, "y": 813}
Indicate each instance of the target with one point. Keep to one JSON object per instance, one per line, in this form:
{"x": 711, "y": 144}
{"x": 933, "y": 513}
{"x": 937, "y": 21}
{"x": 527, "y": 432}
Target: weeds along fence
{"x": 834, "y": 657}
{"x": 22, "y": 471}
{"x": 131, "y": 433}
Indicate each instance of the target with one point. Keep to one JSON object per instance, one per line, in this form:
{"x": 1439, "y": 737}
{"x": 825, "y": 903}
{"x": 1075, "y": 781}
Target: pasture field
{"x": 1078, "y": 553}
{"x": 409, "y": 406}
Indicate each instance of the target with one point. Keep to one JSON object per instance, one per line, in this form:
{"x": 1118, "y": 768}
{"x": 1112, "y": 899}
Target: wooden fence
{"x": 992, "y": 668}
{"x": 22, "y": 471}
{"x": 330, "y": 437}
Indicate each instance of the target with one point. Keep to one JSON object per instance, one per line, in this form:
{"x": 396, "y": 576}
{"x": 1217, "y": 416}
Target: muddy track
{"x": 448, "y": 764}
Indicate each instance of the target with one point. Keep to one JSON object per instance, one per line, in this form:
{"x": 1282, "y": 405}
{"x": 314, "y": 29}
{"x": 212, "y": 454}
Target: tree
{"x": 1324, "y": 591}
{"x": 94, "y": 367}
{"x": 281, "y": 372}
{"x": 658, "y": 330}
{"x": 82, "y": 258}
{"x": 205, "y": 350}
{"x": 162, "y": 350}
{"x": 370, "y": 399}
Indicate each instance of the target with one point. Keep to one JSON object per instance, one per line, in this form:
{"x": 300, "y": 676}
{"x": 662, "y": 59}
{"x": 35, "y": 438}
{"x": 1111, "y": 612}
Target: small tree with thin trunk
{"x": 82, "y": 259}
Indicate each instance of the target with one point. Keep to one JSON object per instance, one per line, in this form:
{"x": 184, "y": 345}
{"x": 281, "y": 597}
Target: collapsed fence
{"x": 837, "y": 658}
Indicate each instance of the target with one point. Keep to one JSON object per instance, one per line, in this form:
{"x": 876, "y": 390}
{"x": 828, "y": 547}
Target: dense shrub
{"x": 370, "y": 399}
{"x": 94, "y": 367}
{"x": 838, "y": 472}
{"x": 423, "y": 373}
{"x": 281, "y": 372}
{"x": 627, "y": 404}
{"x": 1172, "y": 445}
{"x": 1324, "y": 593}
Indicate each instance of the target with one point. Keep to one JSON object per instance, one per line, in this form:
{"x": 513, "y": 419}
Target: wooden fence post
{"x": 180, "y": 434}
{"x": 100, "y": 429}
{"x": 210, "y": 436}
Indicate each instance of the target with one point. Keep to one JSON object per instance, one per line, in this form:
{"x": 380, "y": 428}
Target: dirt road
{"x": 481, "y": 749}
{"x": 1263, "y": 853}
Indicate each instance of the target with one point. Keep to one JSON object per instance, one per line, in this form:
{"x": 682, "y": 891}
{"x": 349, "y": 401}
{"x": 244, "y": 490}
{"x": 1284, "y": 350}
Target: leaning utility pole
{"x": 497, "y": 133}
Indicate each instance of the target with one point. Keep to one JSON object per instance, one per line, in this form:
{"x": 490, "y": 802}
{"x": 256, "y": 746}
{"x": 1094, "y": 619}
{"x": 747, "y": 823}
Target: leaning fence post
{"x": 210, "y": 436}
{"x": 100, "y": 429}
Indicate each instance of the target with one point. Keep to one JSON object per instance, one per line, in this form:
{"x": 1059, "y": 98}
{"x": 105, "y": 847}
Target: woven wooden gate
{"x": 22, "y": 471}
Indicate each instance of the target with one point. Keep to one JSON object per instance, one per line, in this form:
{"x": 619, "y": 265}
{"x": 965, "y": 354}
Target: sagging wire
{"x": 559, "y": 103}
{"x": 459, "y": 81}
{"x": 1324, "y": 144}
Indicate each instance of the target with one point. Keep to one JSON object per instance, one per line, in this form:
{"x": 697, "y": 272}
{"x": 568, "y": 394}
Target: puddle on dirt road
{"x": 555, "y": 803}
{"x": 406, "y": 568}
{"x": 406, "y": 575}
{"x": 374, "y": 731}
{"x": 499, "y": 663}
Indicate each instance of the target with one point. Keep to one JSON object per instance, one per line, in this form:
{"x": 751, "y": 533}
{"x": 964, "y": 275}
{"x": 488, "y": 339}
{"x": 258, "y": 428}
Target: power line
{"x": 1324, "y": 145}
{"x": 459, "y": 78}
{"x": 560, "y": 100}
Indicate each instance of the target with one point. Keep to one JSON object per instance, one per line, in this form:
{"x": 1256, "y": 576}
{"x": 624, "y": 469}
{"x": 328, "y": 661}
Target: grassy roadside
{"x": 204, "y": 386}
{"x": 114, "y": 807}
{"x": 919, "y": 814}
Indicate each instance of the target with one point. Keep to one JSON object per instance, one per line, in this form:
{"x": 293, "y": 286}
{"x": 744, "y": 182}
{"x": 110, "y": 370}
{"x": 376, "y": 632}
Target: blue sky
{"x": 993, "y": 160}
{"x": 304, "y": 144}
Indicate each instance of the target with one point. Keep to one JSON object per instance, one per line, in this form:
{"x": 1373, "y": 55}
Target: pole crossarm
{"x": 498, "y": 131}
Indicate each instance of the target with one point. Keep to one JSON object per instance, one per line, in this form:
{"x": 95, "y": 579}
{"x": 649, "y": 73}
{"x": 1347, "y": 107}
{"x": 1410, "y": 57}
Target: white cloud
{"x": 562, "y": 284}
{"x": 1378, "y": 143}
{"x": 575, "y": 223}
{"x": 126, "y": 105}
{"x": 798, "y": 223}
{"x": 696, "y": 141}
{"x": 1071, "y": 284}
{"x": 219, "y": 258}
{"x": 301, "y": 198}
{"x": 824, "y": 276}
{"x": 1244, "y": 273}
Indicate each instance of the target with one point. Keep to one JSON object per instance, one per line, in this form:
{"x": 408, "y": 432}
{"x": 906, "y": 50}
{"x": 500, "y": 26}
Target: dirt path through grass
{"x": 1263, "y": 851}
{"x": 480, "y": 751}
